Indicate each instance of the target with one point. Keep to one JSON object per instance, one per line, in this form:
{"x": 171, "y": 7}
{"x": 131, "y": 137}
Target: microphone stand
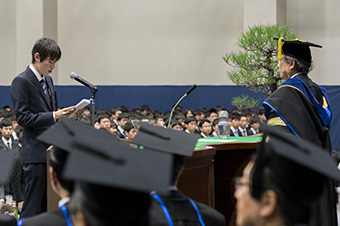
{"x": 173, "y": 109}
{"x": 93, "y": 92}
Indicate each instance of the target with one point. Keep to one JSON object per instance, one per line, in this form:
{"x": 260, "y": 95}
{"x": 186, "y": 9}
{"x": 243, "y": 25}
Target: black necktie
{"x": 9, "y": 145}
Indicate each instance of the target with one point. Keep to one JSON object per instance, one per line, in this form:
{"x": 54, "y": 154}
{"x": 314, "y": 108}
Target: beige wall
{"x": 157, "y": 42}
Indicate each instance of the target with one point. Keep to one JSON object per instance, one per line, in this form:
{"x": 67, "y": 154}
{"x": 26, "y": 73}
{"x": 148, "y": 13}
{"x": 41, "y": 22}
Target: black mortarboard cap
{"x": 98, "y": 159}
{"x": 62, "y": 133}
{"x": 297, "y": 166}
{"x": 6, "y": 164}
{"x": 166, "y": 140}
{"x": 296, "y": 48}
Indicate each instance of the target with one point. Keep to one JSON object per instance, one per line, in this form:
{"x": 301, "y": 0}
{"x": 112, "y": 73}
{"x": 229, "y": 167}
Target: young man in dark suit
{"x": 13, "y": 186}
{"x": 35, "y": 104}
{"x": 7, "y": 141}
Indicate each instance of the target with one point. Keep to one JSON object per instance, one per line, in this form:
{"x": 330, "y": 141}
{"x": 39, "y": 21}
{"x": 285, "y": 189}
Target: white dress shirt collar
{"x": 6, "y": 141}
{"x": 63, "y": 201}
{"x": 36, "y": 73}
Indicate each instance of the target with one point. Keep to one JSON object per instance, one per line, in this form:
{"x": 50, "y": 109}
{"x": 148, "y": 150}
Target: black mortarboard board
{"x": 99, "y": 159}
{"x": 166, "y": 140}
{"x": 295, "y": 48}
{"x": 297, "y": 166}
{"x": 6, "y": 164}
{"x": 62, "y": 133}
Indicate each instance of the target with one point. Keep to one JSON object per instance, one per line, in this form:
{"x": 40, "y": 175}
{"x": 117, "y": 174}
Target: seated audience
{"x": 86, "y": 112}
{"x": 197, "y": 114}
{"x": 234, "y": 121}
{"x": 190, "y": 124}
{"x": 104, "y": 122}
{"x": 159, "y": 120}
{"x": 130, "y": 131}
{"x": 145, "y": 109}
{"x": 215, "y": 128}
{"x": 115, "y": 113}
{"x": 205, "y": 128}
{"x": 243, "y": 126}
{"x": 13, "y": 187}
{"x": 180, "y": 117}
{"x": 254, "y": 125}
{"x": 122, "y": 120}
{"x": 211, "y": 115}
{"x": 262, "y": 116}
{"x": 7, "y": 158}
{"x": 188, "y": 113}
{"x": 176, "y": 125}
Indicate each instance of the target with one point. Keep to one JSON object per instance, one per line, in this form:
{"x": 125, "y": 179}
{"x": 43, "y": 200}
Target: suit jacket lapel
{"x": 33, "y": 79}
{"x": 51, "y": 87}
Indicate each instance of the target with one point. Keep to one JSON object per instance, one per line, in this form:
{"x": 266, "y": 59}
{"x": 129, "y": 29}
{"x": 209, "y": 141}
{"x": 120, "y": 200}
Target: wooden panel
{"x": 197, "y": 180}
{"x": 52, "y": 197}
{"x": 230, "y": 159}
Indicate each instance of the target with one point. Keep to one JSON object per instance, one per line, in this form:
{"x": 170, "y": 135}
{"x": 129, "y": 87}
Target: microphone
{"x": 191, "y": 89}
{"x": 186, "y": 94}
{"x": 76, "y": 77}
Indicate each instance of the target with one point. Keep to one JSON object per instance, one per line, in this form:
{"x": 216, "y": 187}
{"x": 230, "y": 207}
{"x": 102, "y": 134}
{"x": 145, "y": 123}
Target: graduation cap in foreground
{"x": 6, "y": 164}
{"x": 96, "y": 157}
{"x": 298, "y": 167}
{"x": 166, "y": 140}
{"x": 62, "y": 133}
{"x": 295, "y": 48}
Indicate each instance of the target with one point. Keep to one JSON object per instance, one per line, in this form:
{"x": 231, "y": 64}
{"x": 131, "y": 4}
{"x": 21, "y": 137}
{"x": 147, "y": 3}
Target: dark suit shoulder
{"x": 182, "y": 212}
{"x": 211, "y": 216}
{"x": 52, "y": 218}
{"x": 6, "y": 220}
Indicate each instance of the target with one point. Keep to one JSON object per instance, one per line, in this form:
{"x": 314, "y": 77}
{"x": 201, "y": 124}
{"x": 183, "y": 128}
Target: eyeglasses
{"x": 238, "y": 183}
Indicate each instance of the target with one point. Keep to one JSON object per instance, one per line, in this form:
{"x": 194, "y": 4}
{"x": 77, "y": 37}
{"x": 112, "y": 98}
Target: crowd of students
{"x": 124, "y": 123}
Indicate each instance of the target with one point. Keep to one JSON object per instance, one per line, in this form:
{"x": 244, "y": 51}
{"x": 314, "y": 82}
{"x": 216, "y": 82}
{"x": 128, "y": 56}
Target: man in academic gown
{"x": 301, "y": 108}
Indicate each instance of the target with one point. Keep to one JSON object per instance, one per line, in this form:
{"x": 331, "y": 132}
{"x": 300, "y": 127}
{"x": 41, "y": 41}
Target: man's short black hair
{"x": 128, "y": 126}
{"x": 101, "y": 117}
{"x": 235, "y": 116}
{"x": 215, "y": 122}
{"x": 209, "y": 112}
{"x": 190, "y": 119}
{"x": 114, "y": 110}
{"x": 174, "y": 123}
{"x": 253, "y": 120}
{"x": 202, "y": 122}
{"x": 46, "y": 47}
{"x": 5, "y": 123}
{"x": 123, "y": 115}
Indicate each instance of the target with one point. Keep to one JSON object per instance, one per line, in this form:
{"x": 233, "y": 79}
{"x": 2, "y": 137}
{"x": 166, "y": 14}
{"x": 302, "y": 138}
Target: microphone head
{"x": 73, "y": 75}
{"x": 191, "y": 89}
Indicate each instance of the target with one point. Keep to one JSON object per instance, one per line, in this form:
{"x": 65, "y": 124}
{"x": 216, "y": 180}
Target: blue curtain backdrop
{"x": 162, "y": 98}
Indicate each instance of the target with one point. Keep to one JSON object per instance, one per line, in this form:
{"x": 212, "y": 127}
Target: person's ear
{"x": 292, "y": 64}
{"x": 37, "y": 57}
{"x": 53, "y": 176}
{"x": 268, "y": 203}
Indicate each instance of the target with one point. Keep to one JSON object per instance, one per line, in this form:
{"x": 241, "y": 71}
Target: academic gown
{"x": 52, "y": 218}
{"x": 302, "y": 108}
{"x": 182, "y": 212}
